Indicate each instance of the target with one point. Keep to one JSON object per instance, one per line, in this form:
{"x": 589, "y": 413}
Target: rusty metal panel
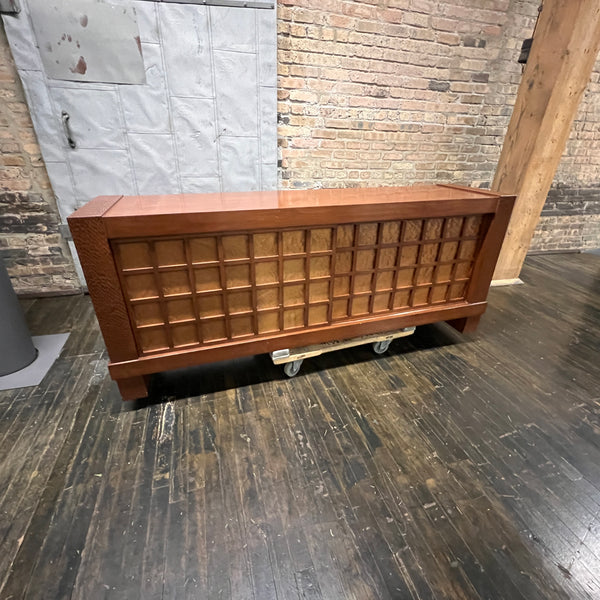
{"x": 88, "y": 40}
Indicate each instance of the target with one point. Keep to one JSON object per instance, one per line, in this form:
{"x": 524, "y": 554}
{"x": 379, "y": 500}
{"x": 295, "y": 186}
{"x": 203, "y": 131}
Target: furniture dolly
{"x": 292, "y": 359}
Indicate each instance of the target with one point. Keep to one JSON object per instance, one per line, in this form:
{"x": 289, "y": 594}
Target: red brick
{"x": 492, "y": 30}
{"x": 393, "y": 16}
{"x": 358, "y": 10}
{"x": 416, "y": 19}
{"x": 300, "y": 96}
{"x": 12, "y": 160}
{"x": 451, "y": 39}
{"x": 341, "y": 21}
{"x": 368, "y": 26}
{"x": 303, "y": 16}
{"x": 292, "y": 82}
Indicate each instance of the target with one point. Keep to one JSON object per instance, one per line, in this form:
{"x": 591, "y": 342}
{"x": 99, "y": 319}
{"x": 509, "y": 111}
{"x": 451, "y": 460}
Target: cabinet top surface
{"x": 173, "y": 204}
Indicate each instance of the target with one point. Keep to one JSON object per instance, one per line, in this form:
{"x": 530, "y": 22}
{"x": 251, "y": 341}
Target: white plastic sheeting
{"x": 205, "y": 120}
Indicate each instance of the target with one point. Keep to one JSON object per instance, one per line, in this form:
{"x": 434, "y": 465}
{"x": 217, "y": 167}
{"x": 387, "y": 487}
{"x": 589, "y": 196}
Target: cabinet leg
{"x": 466, "y": 324}
{"x": 132, "y": 388}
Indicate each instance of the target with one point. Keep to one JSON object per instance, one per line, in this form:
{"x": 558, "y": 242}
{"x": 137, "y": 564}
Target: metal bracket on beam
{"x": 10, "y": 7}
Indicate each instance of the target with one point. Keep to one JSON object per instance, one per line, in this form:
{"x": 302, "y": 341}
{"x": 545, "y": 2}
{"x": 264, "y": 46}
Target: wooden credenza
{"x": 179, "y": 280}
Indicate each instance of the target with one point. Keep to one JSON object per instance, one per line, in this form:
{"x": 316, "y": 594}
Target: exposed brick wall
{"x": 397, "y": 92}
{"x": 580, "y": 163}
{"x": 37, "y": 258}
{"x": 409, "y": 91}
{"x": 571, "y": 215}
{"x": 570, "y": 220}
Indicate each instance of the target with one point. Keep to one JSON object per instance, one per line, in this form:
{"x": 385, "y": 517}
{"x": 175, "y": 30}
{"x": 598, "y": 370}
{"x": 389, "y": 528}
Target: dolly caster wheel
{"x": 292, "y": 368}
{"x": 381, "y": 347}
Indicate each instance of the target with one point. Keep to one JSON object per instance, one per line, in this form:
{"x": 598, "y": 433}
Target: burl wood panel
{"x": 192, "y": 290}
{"x": 197, "y": 297}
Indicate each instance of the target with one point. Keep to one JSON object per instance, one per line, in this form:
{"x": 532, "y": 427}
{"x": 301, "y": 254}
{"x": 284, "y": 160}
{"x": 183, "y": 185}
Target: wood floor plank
{"x": 43, "y": 487}
{"x": 451, "y": 467}
{"x": 142, "y": 448}
{"x": 60, "y": 555}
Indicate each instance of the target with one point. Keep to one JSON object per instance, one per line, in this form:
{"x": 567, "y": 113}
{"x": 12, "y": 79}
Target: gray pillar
{"x": 16, "y": 347}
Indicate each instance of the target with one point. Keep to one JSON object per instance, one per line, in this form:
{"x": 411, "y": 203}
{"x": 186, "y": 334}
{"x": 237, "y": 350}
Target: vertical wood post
{"x": 563, "y": 53}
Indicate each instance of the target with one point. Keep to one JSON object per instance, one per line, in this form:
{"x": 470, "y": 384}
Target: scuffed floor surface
{"x": 450, "y": 467}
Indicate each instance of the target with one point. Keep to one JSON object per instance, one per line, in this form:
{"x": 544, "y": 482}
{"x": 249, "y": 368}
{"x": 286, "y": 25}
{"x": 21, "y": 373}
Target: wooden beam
{"x": 563, "y": 53}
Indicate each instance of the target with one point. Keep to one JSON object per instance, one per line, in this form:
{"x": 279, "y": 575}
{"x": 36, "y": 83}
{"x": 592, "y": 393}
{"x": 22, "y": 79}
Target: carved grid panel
{"x": 195, "y": 290}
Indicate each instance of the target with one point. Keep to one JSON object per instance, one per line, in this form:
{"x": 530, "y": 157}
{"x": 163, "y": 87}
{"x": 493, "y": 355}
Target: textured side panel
{"x": 95, "y": 120}
{"x": 22, "y": 41}
{"x": 489, "y": 249}
{"x": 233, "y": 28}
{"x": 186, "y": 46}
{"x": 240, "y": 164}
{"x": 101, "y": 172}
{"x": 194, "y": 128}
{"x": 153, "y": 158}
{"x": 145, "y": 107}
{"x": 59, "y": 175}
{"x": 200, "y": 185}
{"x": 268, "y": 128}
{"x": 147, "y": 22}
{"x": 237, "y": 93}
{"x": 267, "y": 47}
{"x": 47, "y": 124}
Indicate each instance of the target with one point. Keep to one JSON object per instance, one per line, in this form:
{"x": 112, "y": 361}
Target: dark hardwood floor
{"x": 450, "y": 467}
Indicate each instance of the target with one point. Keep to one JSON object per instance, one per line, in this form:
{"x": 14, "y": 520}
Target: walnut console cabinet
{"x": 179, "y": 280}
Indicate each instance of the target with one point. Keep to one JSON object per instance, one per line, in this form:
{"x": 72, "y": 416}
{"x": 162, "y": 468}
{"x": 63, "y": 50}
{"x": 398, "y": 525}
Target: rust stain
{"x": 69, "y": 38}
{"x": 138, "y": 42}
{"x": 64, "y": 37}
{"x": 80, "y": 67}
{"x": 84, "y": 21}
